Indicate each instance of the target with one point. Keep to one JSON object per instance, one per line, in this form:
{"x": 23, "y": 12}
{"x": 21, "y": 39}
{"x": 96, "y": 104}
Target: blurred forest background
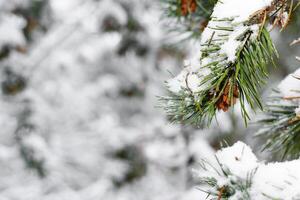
{"x": 78, "y": 102}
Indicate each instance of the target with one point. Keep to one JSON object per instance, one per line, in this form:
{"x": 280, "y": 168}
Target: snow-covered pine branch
{"x": 238, "y": 175}
{"x": 234, "y": 51}
{"x": 281, "y": 123}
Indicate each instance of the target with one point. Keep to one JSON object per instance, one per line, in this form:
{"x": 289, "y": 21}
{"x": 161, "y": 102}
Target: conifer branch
{"x": 233, "y": 65}
{"x": 210, "y": 182}
{"x": 237, "y": 174}
{"x": 281, "y": 122}
{"x": 189, "y": 16}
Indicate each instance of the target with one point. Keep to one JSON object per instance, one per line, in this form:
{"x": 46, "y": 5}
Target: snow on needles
{"x": 240, "y": 9}
{"x": 227, "y": 14}
{"x": 239, "y": 159}
{"x": 11, "y": 30}
{"x": 269, "y": 181}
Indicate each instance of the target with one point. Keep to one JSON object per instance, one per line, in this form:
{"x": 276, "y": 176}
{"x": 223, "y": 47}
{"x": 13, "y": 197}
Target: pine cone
{"x": 224, "y": 101}
{"x": 188, "y": 6}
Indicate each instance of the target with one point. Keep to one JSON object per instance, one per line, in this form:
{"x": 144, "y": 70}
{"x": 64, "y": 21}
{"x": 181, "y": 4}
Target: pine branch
{"x": 238, "y": 175}
{"x": 229, "y": 186}
{"x": 227, "y": 80}
{"x": 189, "y": 16}
{"x": 281, "y": 126}
{"x": 233, "y": 63}
{"x": 281, "y": 121}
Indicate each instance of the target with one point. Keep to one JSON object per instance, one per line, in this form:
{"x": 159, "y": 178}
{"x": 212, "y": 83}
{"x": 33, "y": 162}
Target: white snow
{"x": 279, "y": 180}
{"x": 239, "y": 159}
{"x": 240, "y": 9}
{"x": 230, "y": 48}
{"x": 187, "y": 79}
{"x": 11, "y": 30}
{"x": 85, "y": 103}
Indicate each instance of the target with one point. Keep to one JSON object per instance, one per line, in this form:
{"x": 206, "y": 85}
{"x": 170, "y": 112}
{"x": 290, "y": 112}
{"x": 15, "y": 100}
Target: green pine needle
{"x": 208, "y": 183}
{"x": 191, "y": 22}
{"x": 281, "y": 128}
{"x": 247, "y": 74}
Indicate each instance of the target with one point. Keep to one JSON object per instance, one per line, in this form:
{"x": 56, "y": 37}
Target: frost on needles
{"x": 235, "y": 48}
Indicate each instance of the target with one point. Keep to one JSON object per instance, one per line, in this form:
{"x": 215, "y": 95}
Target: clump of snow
{"x": 241, "y": 10}
{"x": 229, "y": 48}
{"x": 11, "y": 30}
{"x": 190, "y": 77}
{"x": 176, "y": 84}
{"x": 273, "y": 180}
{"x": 239, "y": 159}
{"x": 232, "y": 45}
{"x": 184, "y": 80}
{"x": 277, "y": 180}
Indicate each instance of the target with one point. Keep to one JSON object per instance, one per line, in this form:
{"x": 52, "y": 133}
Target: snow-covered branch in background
{"x": 11, "y": 27}
{"x": 77, "y": 105}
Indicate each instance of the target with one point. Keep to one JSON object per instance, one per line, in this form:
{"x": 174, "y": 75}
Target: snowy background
{"x": 78, "y": 103}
